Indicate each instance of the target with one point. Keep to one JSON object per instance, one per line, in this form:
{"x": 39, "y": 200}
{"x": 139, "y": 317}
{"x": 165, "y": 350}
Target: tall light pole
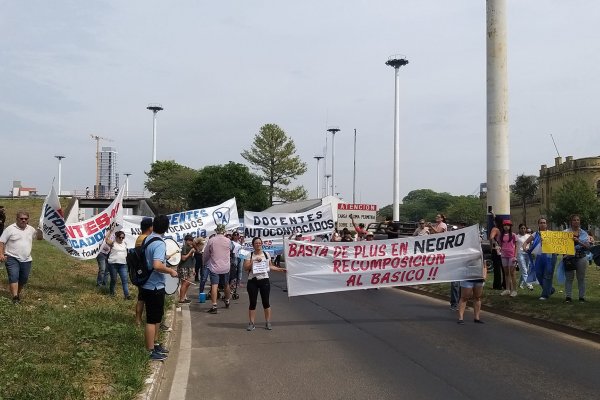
{"x": 155, "y": 108}
{"x": 327, "y": 176}
{"x": 396, "y": 61}
{"x": 318, "y": 158}
{"x": 59, "y": 172}
{"x": 127, "y": 175}
{"x": 333, "y": 130}
{"x": 326, "y": 191}
{"x": 354, "y": 172}
{"x": 498, "y": 186}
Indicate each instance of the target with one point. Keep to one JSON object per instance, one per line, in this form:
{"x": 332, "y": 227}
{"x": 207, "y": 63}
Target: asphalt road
{"x": 373, "y": 344}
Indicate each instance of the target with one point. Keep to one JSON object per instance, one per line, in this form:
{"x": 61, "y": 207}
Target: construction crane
{"x": 97, "y": 139}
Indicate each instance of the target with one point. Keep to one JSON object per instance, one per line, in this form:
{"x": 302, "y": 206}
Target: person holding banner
{"x": 471, "y": 289}
{"x": 577, "y": 263}
{"x": 102, "y": 258}
{"x": 258, "y": 265}
{"x": 16, "y": 242}
{"x": 117, "y": 264}
{"x": 544, "y": 263}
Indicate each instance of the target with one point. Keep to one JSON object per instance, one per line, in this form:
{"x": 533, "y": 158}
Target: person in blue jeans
{"x": 117, "y": 264}
{"x": 544, "y": 263}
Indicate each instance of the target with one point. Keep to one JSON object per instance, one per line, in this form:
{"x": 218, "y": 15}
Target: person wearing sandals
{"x": 578, "y": 263}
{"x": 471, "y": 289}
{"x": 258, "y": 265}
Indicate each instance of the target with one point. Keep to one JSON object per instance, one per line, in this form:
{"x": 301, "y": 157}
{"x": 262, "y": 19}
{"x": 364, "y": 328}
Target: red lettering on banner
{"x": 307, "y": 250}
{"x": 357, "y": 207}
{"x": 74, "y": 230}
{"x": 399, "y": 249}
{"x": 374, "y": 250}
{"x": 340, "y": 252}
{"x": 354, "y": 280}
{"x": 90, "y": 227}
{"x": 102, "y": 220}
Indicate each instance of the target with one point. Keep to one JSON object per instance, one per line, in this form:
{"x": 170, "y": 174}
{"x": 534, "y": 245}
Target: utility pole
{"x": 155, "y": 108}
{"x": 318, "y": 158}
{"x": 354, "y": 173}
{"x": 333, "y": 130}
{"x": 59, "y": 173}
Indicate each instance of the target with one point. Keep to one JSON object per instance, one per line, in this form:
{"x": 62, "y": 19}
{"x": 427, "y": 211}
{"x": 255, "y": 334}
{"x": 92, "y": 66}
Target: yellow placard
{"x": 554, "y": 242}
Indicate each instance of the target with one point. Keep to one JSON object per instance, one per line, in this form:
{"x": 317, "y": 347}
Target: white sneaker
{"x": 522, "y": 285}
{"x": 529, "y": 286}
{"x": 505, "y": 292}
{"x": 513, "y": 293}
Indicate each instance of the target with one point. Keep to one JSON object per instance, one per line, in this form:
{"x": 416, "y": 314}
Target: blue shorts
{"x": 215, "y": 279}
{"x": 18, "y": 271}
{"x": 472, "y": 283}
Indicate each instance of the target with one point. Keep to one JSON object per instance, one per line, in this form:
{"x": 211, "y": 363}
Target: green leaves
{"x": 273, "y": 155}
{"x": 575, "y": 197}
{"x": 170, "y": 184}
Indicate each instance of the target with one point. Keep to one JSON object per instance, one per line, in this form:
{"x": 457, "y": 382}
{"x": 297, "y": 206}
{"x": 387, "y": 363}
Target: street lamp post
{"x": 318, "y": 158}
{"x": 327, "y": 176}
{"x": 59, "y": 172}
{"x": 155, "y": 108}
{"x": 354, "y": 172}
{"x": 396, "y": 61}
{"x": 127, "y": 175}
{"x": 333, "y": 130}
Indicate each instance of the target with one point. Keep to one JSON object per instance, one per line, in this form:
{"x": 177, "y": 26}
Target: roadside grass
{"x": 67, "y": 339}
{"x": 584, "y": 316}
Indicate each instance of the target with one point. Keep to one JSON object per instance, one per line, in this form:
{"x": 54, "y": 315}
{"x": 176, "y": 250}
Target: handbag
{"x": 570, "y": 263}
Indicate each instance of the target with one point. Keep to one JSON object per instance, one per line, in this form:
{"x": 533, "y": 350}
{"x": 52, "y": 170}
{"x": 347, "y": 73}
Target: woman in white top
{"x": 440, "y": 224}
{"x": 523, "y": 257}
{"x": 258, "y": 265}
{"x": 117, "y": 263}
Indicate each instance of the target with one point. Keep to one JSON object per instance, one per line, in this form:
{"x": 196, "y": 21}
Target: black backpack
{"x": 136, "y": 263}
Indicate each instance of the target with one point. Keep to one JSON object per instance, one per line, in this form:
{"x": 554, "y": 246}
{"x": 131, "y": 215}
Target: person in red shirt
{"x": 361, "y": 231}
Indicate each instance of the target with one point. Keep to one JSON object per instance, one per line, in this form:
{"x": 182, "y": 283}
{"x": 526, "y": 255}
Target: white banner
{"x": 81, "y": 240}
{"x": 323, "y": 267}
{"x": 273, "y": 227}
{"x": 198, "y": 223}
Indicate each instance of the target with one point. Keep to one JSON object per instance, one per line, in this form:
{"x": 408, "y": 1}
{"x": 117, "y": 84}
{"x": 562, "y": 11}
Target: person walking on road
{"x": 15, "y": 250}
{"x": 258, "y": 265}
{"x": 216, "y": 258}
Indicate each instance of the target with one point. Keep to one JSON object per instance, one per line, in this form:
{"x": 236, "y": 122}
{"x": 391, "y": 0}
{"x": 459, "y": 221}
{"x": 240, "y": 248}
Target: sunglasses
{"x": 23, "y": 219}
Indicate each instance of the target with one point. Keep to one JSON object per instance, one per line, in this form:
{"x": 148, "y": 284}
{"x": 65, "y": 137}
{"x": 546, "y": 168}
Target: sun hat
{"x": 507, "y": 222}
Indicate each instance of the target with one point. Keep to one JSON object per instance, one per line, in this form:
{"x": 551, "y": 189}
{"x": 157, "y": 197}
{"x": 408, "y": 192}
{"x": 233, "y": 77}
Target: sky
{"x": 221, "y": 70}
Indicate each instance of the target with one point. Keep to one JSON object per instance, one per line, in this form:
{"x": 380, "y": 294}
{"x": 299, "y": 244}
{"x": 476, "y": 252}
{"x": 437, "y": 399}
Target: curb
{"x": 157, "y": 369}
{"x": 593, "y": 337}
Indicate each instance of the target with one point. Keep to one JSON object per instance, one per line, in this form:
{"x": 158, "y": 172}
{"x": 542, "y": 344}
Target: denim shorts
{"x": 18, "y": 271}
{"x": 215, "y": 279}
{"x": 471, "y": 284}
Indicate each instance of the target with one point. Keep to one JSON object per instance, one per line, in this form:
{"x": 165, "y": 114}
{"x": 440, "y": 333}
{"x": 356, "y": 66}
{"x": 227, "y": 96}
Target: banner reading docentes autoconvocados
{"x": 198, "y": 223}
{"x": 81, "y": 240}
{"x": 276, "y": 226}
{"x": 324, "y": 267}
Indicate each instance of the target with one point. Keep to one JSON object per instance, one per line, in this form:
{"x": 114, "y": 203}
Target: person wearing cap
{"x": 217, "y": 253}
{"x": 185, "y": 269}
{"x": 422, "y": 229}
{"x": 508, "y": 252}
{"x": 369, "y": 236}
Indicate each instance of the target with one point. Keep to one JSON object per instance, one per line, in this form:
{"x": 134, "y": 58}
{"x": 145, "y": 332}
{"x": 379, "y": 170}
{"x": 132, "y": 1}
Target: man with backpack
{"x": 153, "y": 290}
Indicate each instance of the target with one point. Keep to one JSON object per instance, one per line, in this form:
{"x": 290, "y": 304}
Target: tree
{"x": 424, "y": 203}
{"x": 273, "y": 155}
{"x": 525, "y": 188}
{"x": 467, "y": 209}
{"x": 575, "y": 197}
{"x": 170, "y": 183}
{"x": 218, "y": 183}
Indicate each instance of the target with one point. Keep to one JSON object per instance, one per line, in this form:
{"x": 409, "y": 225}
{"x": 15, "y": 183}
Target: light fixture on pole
{"x": 318, "y": 158}
{"x": 333, "y": 130}
{"x": 155, "y": 108}
{"x": 396, "y": 61}
{"x": 127, "y": 175}
{"x": 59, "y": 172}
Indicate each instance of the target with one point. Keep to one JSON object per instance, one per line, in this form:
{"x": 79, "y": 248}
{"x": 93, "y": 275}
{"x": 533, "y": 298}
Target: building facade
{"x": 107, "y": 170}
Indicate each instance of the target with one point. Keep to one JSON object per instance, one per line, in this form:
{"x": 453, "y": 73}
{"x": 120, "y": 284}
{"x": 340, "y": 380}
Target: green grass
{"x": 584, "y": 316}
{"x": 67, "y": 339}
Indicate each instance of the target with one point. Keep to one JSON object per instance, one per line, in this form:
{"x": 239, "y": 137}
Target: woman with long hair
{"x": 508, "y": 249}
{"x": 523, "y": 257}
{"x": 494, "y": 238}
{"x": 258, "y": 265}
